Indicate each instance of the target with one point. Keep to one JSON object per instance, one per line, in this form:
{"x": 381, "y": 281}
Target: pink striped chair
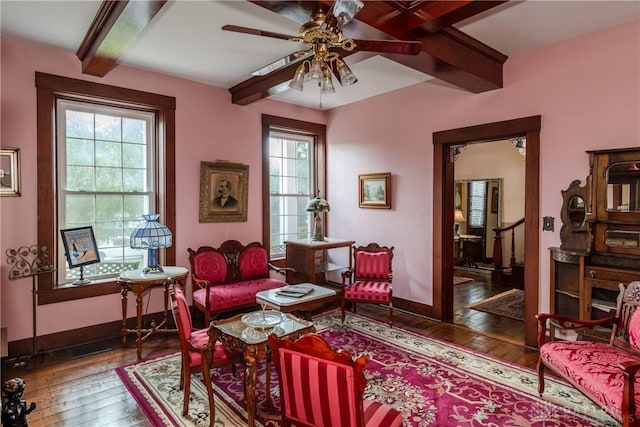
{"x": 370, "y": 278}
{"x": 320, "y": 387}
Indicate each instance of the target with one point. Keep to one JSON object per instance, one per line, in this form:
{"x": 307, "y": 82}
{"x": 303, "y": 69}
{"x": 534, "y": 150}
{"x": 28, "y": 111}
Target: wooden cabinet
{"x": 600, "y": 238}
{"x": 583, "y": 290}
{"x": 313, "y": 259}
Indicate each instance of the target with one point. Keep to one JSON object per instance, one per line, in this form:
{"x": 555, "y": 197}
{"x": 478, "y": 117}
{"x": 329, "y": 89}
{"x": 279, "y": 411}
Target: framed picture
{"x": 375, "y": 190}
{"x": 9, "y": 171}
{"x": 224, "y": 191}
{"x": 80, "y": 246}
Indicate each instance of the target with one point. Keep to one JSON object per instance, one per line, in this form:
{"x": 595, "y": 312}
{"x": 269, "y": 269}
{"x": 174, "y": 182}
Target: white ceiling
{"x": 185, "y": 39}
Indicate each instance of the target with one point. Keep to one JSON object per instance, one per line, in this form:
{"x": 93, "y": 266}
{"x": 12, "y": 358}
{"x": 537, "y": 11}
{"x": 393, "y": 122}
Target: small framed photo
{"x": 375, "y": 190}
{"x": 224, "y": 192}
{"x": 80, "y": 246}
{"x": 9, "y": 171}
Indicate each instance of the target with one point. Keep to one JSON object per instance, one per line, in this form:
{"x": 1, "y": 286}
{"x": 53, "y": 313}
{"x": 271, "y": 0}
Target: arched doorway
{"x": 443, "y": 208}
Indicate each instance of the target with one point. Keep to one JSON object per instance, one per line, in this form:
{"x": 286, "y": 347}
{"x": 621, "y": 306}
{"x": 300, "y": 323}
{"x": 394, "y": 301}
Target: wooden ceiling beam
{"x": 447, "y": 53}
{"x": 116, "y": 25}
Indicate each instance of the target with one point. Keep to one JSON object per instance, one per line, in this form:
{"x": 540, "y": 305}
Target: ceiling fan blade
{"x": 389, "y": 46}
{"x": 255, "y": 32}
{"x": 343, "y": 11}
{"x": 283, "y": 62}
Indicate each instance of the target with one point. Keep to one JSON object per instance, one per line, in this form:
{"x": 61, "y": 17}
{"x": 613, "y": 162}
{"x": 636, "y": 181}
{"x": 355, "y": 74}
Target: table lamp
{"x": 151, "y": 236}
{"x": 458, "y": 218}
{"x": 318, "y": 205}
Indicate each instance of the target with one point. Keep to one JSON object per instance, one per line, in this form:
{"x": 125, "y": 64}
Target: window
{"x": 294, "y": 159}
{"x": 477, "y": 203}
{"x": 106, "y": 177}
{"x": 290, "y": 187}
{"x": 110, "y": 159}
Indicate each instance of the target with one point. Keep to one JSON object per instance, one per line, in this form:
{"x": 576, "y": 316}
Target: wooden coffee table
{"x": 278, "y": 300}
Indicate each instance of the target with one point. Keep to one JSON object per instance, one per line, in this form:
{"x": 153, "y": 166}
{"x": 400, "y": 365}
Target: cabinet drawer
{"x": 615, "y": 276}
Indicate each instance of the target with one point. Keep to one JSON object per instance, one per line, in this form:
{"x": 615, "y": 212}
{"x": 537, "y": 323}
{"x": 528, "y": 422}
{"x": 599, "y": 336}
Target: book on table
{"x": 294, "y": 291}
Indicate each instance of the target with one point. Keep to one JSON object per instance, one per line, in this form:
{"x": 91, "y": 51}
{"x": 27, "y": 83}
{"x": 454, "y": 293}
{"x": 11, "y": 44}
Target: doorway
{"x": 445, "y": 143}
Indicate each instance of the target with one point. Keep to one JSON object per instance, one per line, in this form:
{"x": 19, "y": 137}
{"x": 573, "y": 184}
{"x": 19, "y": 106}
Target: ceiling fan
{"x": 323, "y": 36}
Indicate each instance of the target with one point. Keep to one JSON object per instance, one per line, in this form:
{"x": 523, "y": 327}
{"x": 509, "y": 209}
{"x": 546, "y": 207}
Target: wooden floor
{"x": 87, "y": 392}
{"x": 489, "y": 324}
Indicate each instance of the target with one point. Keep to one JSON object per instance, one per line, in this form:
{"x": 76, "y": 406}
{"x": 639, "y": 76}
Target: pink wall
{"x": 587, "y": 91}
{"x": 208, "y": 127}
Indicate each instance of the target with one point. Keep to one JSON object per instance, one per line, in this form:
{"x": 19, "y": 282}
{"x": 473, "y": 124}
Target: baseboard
{"x": 74, "y": 337}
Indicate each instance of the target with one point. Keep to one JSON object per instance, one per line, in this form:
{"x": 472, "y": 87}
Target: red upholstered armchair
{"x": 370, "y": 278}
{"x": 604, "y": 372}
{"x": 200, "y": 350}
{"x": 320, "y": 387}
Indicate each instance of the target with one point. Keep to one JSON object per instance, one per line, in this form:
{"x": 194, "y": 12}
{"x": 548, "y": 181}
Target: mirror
{"x": 575, "y": 233}
{"x": 623, "y": 187}
{"x": 577, "y": 211}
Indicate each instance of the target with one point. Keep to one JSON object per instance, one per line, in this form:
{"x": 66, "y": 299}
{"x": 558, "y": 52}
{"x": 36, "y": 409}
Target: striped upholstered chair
{"x": 370, "y": 278}
{"x": 320, "y": 387}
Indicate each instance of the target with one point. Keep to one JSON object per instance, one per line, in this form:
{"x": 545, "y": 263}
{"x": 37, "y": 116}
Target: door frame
{"x": 443, "y": 208}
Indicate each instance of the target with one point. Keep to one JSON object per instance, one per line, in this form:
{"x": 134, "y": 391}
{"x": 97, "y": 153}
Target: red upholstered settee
{"x": 228, "y": 278}
{"x": 604, "y": 372}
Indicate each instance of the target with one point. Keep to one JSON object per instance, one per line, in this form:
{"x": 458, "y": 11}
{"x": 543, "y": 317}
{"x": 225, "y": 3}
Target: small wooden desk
{"x": 466, "y": 248}
{"x": 138, "y": 283}
{"x": 254, "y": 345}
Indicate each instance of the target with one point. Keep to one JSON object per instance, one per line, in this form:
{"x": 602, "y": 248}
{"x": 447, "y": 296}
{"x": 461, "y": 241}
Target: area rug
{"x": 507, "y": 304}
{"x": 433, "y": 383}
{"x": 459, "y": 280}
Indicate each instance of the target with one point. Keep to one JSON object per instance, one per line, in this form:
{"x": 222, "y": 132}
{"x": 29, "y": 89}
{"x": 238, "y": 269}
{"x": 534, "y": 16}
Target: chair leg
{"x": 390, "y": 314}
{"x": 206, "y": 375}
{"x": 540, "y": 377}
{"x": 342, "y": 306}
{"x": 187, "y": 390}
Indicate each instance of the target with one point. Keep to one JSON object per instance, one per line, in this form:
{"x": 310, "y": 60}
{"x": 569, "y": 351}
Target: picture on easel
{"x": 80, "y": 246}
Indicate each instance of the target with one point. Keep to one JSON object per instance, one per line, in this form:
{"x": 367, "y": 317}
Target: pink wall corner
{"x": 208, "y": 128}
{"x": 586, "y": 89}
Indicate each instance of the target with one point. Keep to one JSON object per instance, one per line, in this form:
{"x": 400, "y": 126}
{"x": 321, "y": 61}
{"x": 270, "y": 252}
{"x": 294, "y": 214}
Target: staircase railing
{"x": 497, "y": 244}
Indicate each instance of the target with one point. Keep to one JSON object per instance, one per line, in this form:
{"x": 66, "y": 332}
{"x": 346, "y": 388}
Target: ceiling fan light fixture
{"x": 327, "y": 83}
{"x": 297, "y": 82}
{"x": 347, "y": 77}
{"x": 315, "y": 71}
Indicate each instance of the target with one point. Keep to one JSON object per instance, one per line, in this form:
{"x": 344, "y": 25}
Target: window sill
{"x": 70, "y": 292}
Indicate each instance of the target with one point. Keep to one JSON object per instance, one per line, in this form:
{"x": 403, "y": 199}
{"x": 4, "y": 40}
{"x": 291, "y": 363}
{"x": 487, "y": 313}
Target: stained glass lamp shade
{"x": 318, "y": 205}
{"x": 151, "y": 236}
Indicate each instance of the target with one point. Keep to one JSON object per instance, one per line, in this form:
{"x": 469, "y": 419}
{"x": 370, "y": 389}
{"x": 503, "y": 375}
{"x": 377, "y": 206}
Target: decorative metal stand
{"x": 29, "y": 261}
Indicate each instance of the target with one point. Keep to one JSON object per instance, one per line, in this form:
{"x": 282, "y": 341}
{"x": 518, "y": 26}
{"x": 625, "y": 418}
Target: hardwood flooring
{"x": 86, "y": 392}
{"x": 489, "y": 324}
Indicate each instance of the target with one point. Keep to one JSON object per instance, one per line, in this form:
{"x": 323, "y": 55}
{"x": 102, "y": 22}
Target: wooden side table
{"x": 138, "y": 283}
{"x": 310, "y": 258}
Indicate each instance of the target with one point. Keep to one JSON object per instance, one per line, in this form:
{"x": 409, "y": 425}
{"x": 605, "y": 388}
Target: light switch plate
{"x": 547, "y": 223}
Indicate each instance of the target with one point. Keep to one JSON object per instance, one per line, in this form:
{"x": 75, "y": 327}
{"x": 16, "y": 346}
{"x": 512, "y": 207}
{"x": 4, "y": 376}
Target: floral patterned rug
{"x": 433, "y": 383}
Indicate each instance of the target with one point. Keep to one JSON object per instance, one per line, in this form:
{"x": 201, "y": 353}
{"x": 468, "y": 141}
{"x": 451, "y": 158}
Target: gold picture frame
{"x": 9, "y": 171}
{"x": 374, "y": 190}
{"x": 224, "y": 192}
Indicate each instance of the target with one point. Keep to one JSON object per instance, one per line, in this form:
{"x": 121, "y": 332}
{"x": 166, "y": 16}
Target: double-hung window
{"x": 106, "y": 179}
{"x": 294, "y": 156}
{"x": 106, "y": 156}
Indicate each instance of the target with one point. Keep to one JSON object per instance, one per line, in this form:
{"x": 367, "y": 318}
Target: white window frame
{"x": 289, "y": 221}
{"x": 116, "y": 253}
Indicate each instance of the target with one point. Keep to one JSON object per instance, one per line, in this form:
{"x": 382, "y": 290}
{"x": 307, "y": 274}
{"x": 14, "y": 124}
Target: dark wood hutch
{"x": 600, "y": 237}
